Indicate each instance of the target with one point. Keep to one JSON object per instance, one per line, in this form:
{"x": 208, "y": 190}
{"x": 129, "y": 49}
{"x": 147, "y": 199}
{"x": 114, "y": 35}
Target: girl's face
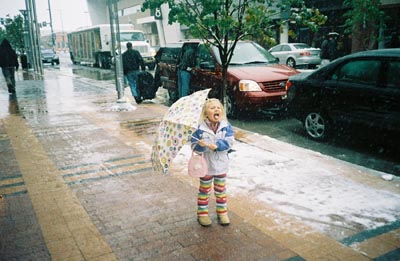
{"x": 213, "y": 112}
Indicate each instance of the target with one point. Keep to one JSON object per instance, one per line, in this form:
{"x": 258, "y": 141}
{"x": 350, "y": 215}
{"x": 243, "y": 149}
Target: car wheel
{"x": 100, "y": 61}
{"x": 230, "y": 106}
{"x": 157, "y": 78}
{"x": 151, "y": 66}
{"x": 106, "y": 62}
{"x": 173, "y": 96}
{"x": 291, "y": 62}
{"x": 317, "y": 126}
{"x": 103, "y": 62}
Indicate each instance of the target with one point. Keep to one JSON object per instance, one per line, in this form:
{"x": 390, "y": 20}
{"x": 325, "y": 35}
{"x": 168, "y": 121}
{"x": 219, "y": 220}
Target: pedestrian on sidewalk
{"x": 9, "y": 64}
{"x": 214, "y": 138}
{"x": 131, "y": 60}
{"x": 185, "y": 66}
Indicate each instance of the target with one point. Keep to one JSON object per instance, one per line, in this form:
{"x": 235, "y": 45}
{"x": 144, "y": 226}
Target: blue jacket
{"x": 218, "y": 160}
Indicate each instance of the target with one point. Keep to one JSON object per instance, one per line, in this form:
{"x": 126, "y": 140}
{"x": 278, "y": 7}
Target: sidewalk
{"x": 76, "y": 184}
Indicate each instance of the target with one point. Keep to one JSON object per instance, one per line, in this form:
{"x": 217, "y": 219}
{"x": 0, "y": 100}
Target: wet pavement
{"x": 76, "y": 184}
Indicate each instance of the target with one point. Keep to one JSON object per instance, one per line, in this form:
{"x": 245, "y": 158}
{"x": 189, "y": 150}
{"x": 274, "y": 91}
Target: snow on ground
{"x": 302, "y": 187}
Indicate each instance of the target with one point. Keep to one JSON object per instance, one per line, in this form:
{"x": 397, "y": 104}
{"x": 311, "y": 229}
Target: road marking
{"x": 110, "y": 168}
{"x": 367, "y": 234}
{"x": 12, "y": 186}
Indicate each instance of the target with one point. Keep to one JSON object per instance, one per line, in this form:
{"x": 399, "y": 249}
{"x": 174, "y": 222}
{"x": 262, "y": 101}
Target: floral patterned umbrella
{"x": 176, "y": 128}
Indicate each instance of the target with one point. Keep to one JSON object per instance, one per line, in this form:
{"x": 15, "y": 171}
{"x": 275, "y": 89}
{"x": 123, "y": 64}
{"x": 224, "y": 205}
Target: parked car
{"x": 297, "y": 55}
{"x": 255, "y": 80}
{"x": 49, "y": 56}
{"x": 358, "y": 92}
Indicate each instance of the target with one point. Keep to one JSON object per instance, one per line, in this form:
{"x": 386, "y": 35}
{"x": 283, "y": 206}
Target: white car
{"x": 297, "y": 55}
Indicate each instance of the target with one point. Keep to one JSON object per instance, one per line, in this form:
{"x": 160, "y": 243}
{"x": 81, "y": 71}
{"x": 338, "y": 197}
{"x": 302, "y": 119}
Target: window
{"x": 301, "y": 46}
{"x": 204, "y": 56}
{"x": 362, "y": 72}
{"x": 393, "y": 79}
{"x": 276, "y": 48}
{"x": 170, "y": 54}
{"x": 129, "y": 36}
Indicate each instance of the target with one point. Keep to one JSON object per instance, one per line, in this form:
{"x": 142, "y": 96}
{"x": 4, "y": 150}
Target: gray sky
{"x": 66, "y": 15}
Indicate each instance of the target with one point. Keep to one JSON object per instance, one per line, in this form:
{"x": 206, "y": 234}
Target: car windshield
{"x": 248, "y": 53}
{"x": 131, "y": 36}
{"x": 47, "y": 51}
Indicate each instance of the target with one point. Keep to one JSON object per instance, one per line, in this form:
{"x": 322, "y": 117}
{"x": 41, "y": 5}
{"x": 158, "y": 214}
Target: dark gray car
{"x": 361, "y": 90}
{"x": 50, "y": 56}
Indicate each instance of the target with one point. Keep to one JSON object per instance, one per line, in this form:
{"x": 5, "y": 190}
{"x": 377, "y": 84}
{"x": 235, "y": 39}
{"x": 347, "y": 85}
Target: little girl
{"x": 214, "y": 138}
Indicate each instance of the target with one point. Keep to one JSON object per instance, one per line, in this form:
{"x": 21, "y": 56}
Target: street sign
{"x": 156, "y": 13}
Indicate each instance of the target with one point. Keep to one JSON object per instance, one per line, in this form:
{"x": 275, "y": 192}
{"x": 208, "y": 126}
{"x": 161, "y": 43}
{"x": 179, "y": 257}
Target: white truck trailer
{"x": 91, "y": 45}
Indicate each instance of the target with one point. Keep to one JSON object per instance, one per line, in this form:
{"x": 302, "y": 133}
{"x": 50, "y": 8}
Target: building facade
{"x": 157, "y": 30}
{"x": 335, "y": 10}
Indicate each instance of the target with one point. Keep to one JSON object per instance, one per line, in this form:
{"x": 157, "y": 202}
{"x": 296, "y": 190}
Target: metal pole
{"x": 115, "y": 43}
{"x": 33, "y": 36}
{"x": 30, "y": 33}
{"x": 51, "y": 25}
{"x": 62, "y": 29}
{"x": 36, "y": 39}
{"x": 27, "y": 40}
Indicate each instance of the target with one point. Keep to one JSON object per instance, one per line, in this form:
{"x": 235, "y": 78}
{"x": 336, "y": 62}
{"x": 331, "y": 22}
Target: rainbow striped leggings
{"x": 205, "y": 191}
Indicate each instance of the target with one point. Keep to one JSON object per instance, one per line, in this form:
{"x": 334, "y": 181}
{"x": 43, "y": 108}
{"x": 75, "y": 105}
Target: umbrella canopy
{"x": 176, "y": 128}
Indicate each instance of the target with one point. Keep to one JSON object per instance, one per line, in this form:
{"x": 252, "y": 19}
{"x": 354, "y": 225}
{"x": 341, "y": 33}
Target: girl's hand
{"x": 212, "y": 146}
{"x": 202, "y": 143}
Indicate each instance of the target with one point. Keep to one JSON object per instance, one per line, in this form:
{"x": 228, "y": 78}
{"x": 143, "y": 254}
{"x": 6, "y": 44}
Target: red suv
{"x": 255, "y": 80}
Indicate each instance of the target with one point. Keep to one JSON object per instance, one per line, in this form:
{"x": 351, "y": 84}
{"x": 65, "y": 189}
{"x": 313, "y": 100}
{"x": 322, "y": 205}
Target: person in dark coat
{"x": 324, "y": 54}
{"x": 9, "y": 64}
{"x": 132, "y": 60}
{"x": 332, "y": 48}
{"x": 185, "y": 66}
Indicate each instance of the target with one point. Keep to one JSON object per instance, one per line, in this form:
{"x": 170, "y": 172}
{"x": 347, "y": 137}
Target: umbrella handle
{"x": 199, "y": 140}
{"x": 195, "y": 138}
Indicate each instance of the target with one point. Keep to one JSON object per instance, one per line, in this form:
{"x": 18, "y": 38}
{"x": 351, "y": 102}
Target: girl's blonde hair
{"x": 211, "y": 100}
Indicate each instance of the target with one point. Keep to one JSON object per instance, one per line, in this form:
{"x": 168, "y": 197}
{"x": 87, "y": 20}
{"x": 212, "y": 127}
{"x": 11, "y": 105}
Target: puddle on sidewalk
{"x": 28, "y": 76}
{"x": 94, "y": 74}
{"x": 142, "y": 127}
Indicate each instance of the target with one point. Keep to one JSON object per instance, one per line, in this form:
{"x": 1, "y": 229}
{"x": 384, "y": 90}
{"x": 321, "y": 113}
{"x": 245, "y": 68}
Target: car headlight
{"x": 153, "y": 52}
{"x": 249, "y": 86}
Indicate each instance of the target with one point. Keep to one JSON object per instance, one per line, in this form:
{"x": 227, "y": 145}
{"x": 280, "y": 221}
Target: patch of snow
{"x": 387, "y": 177}
{"x": 299, "y": 185}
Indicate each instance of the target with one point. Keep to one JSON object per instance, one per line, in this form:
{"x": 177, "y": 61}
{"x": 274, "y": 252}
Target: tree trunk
{"x": 358, "y": 38}
{"x": 223, "y": 89}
